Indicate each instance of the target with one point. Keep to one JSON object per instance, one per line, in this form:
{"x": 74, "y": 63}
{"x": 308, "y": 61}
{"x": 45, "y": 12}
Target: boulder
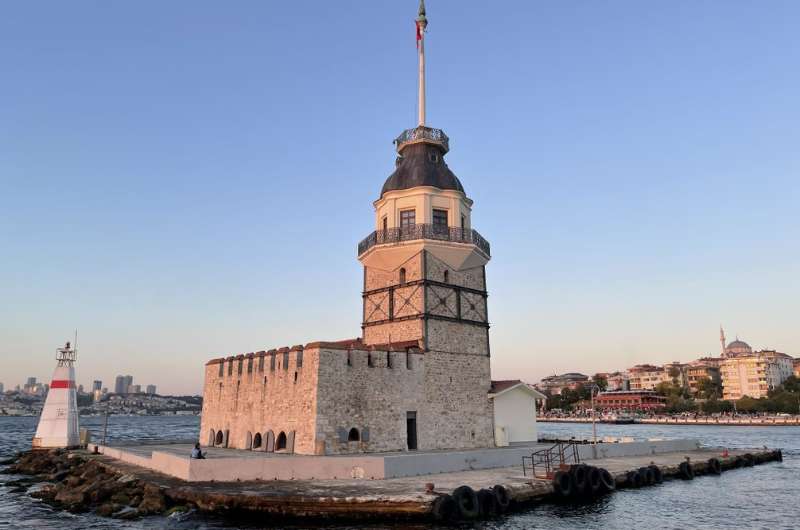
{"x": 153, "y": 503}
{"x": 126, "y": 513}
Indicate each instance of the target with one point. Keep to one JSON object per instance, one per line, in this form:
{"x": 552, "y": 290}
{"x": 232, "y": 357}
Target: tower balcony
{"x": 423, "y": 134}
{"x": 424, "y": 231}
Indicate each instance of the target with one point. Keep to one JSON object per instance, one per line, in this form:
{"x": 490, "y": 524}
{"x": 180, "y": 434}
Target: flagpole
{"x": 422, "y": 23}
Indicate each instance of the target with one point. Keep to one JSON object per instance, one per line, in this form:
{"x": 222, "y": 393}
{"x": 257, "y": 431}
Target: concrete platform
{"x": 228, "y": 465}
{"x": 396, "y": 498}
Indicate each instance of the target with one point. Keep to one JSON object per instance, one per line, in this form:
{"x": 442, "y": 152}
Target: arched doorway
{"x": 219, "y": 438}
{"x": 257, "y": 441}
{"x": 353, "y": 435}
{"x": 280, "y": 442}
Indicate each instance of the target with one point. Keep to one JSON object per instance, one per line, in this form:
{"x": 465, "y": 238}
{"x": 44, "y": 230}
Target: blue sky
{"x": 184, "y": 180}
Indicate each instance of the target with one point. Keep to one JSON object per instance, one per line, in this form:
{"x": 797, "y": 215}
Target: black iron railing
{"x": 424, "y": 231}
{"x": 545, "y": 462}
{"x": 423, "y": 133}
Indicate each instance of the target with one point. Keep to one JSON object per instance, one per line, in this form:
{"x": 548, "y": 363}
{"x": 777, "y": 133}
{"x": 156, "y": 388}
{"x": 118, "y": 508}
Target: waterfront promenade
{"x": 744, "y": 421}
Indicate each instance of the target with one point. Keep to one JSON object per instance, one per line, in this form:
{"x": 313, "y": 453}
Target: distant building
{"x": 2, "y": 389}
{"x": 753, "y": 374}
{"x": 134, "y": 389}
{"x": 699, "y": 370}
{"x": 640, "y": 400}
{"x": 97, "y": 394}
{"x": 555, "y": 384}
{"x": 119, "y": 385}
{"x": 645, "y": 376}
{"x": 97, "y": 385}
{"x": 151, "y": 389}
{"x": 514, "y": 411}
{"x": 675, "y": 374}
{"x": 127, "y": 384}
{"x": 80, "y": 389}
{"x": 618, "y": 381}
{"x": 796, "y": 368}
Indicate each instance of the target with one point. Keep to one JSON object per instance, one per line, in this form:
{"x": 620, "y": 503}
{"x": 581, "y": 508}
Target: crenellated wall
{"x": 340, "y": 387}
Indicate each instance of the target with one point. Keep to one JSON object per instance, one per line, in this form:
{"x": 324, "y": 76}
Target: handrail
{"x": 424, "y": 231}
{"x": 561, "y": 454}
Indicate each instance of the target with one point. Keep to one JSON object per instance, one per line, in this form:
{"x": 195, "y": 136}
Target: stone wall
{"x": 277, "y": 398}
{"x": 448, "y": 393}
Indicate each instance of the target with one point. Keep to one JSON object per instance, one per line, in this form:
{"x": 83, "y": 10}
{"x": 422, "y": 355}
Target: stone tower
{"x": 424, "y": 274}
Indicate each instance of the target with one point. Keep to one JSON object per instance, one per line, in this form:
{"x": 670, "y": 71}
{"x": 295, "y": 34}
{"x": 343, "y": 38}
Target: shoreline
{"x": 719, "y": 422}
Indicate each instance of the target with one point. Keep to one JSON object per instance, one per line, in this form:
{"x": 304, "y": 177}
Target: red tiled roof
{"x": 499, "y": 386}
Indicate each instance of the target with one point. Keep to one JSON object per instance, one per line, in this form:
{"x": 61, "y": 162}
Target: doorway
{"x": 411, "y": 430}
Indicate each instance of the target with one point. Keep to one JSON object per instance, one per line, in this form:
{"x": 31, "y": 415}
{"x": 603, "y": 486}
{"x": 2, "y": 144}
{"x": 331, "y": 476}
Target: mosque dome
{"x": 738, "y": 347}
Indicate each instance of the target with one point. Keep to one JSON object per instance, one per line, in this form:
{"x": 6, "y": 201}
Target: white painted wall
{"x": 516, "y": 411}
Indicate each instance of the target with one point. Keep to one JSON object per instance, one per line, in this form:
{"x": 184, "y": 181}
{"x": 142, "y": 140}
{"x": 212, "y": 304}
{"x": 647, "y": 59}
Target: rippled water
{"x": 762, "y": 497}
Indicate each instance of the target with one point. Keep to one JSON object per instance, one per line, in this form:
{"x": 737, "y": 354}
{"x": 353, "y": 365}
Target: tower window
{"x": 446, "y": 276}
{"x": 408, "y": 218}
{"x": 353, "y": 435}
{"x": 440, "y": 219}
{"x": 286, "y": 360}
{"x": 402, "y": 276}
{"x": 433, "y": 157}
{"x": 370, "y": 360}
{"x": 463, "y": 221}
{"x": 261, "y": 363}
{"x": 385, "y": 223}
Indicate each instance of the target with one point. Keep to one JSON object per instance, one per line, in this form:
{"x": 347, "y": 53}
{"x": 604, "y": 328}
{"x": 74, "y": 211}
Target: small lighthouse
{"x": 58, "y": 424}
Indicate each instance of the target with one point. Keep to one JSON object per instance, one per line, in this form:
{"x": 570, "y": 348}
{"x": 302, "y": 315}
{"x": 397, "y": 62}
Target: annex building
{"x": 418, "y": 377}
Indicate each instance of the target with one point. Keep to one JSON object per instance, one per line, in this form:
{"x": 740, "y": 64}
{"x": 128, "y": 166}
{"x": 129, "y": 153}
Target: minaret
{"x": 722, "y": 340}
{"x": 58, "y": 424}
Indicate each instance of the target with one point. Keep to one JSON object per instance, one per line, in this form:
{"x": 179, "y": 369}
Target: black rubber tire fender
{"x": 563, "y": 484}
{"x": 466, "y": 502}
{"x": 633, "y": 479}
{"x": 686, "y": 471}
{"x": 658, "y": 475}
{"x": 749, "y": 460}
{"x": 648, "y": 478}
{"x": 594, "y": 483}
{"x": 607, "y": 483}
{"x": 487, "y": 503}
{"x": 579, "y": 476}
{"x": 714, "y": 466}
{"x": 779, "y": 455}
{"x": 444, "y": 508}
{"x": 738, "y": 461}
{"x": 502, "y": 497}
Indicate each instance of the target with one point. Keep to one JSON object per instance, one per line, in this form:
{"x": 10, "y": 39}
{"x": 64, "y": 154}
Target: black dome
{"x": 421, "y": 164}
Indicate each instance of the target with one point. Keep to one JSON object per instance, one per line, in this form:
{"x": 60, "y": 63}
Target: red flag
{"x": 419, "y": 34}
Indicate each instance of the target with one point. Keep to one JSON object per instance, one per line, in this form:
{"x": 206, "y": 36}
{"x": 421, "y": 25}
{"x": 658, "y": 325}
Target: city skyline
{"x": 178, "y": 197}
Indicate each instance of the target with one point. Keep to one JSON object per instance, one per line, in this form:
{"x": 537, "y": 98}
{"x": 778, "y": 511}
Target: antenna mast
{"x": 422, "y": 23}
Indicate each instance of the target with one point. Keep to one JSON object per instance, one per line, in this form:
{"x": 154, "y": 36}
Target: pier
{"x": 769, "y": 421}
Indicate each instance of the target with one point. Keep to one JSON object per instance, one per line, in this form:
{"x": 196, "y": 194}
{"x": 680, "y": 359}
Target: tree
{"x": 674, "y": 372}
{"x": 708, "y": 389}
{"x": 600, "y": 381}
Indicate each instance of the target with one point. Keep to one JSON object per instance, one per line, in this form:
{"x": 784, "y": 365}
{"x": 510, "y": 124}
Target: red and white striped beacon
{"x": 58, "y": 424}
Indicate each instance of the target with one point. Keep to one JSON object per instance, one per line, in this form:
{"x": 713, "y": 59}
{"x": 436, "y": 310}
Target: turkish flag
{"x": 419, "y": 34}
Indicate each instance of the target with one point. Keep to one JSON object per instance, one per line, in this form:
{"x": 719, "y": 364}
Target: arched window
{"x": 446, "y": 276}
{"x": 353, "y": 435}
{"x": 257, "y": 441}
{"x": 280, "y": 442}
{"x": 402, "y": 276}
{"x": 219, "y": 438}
